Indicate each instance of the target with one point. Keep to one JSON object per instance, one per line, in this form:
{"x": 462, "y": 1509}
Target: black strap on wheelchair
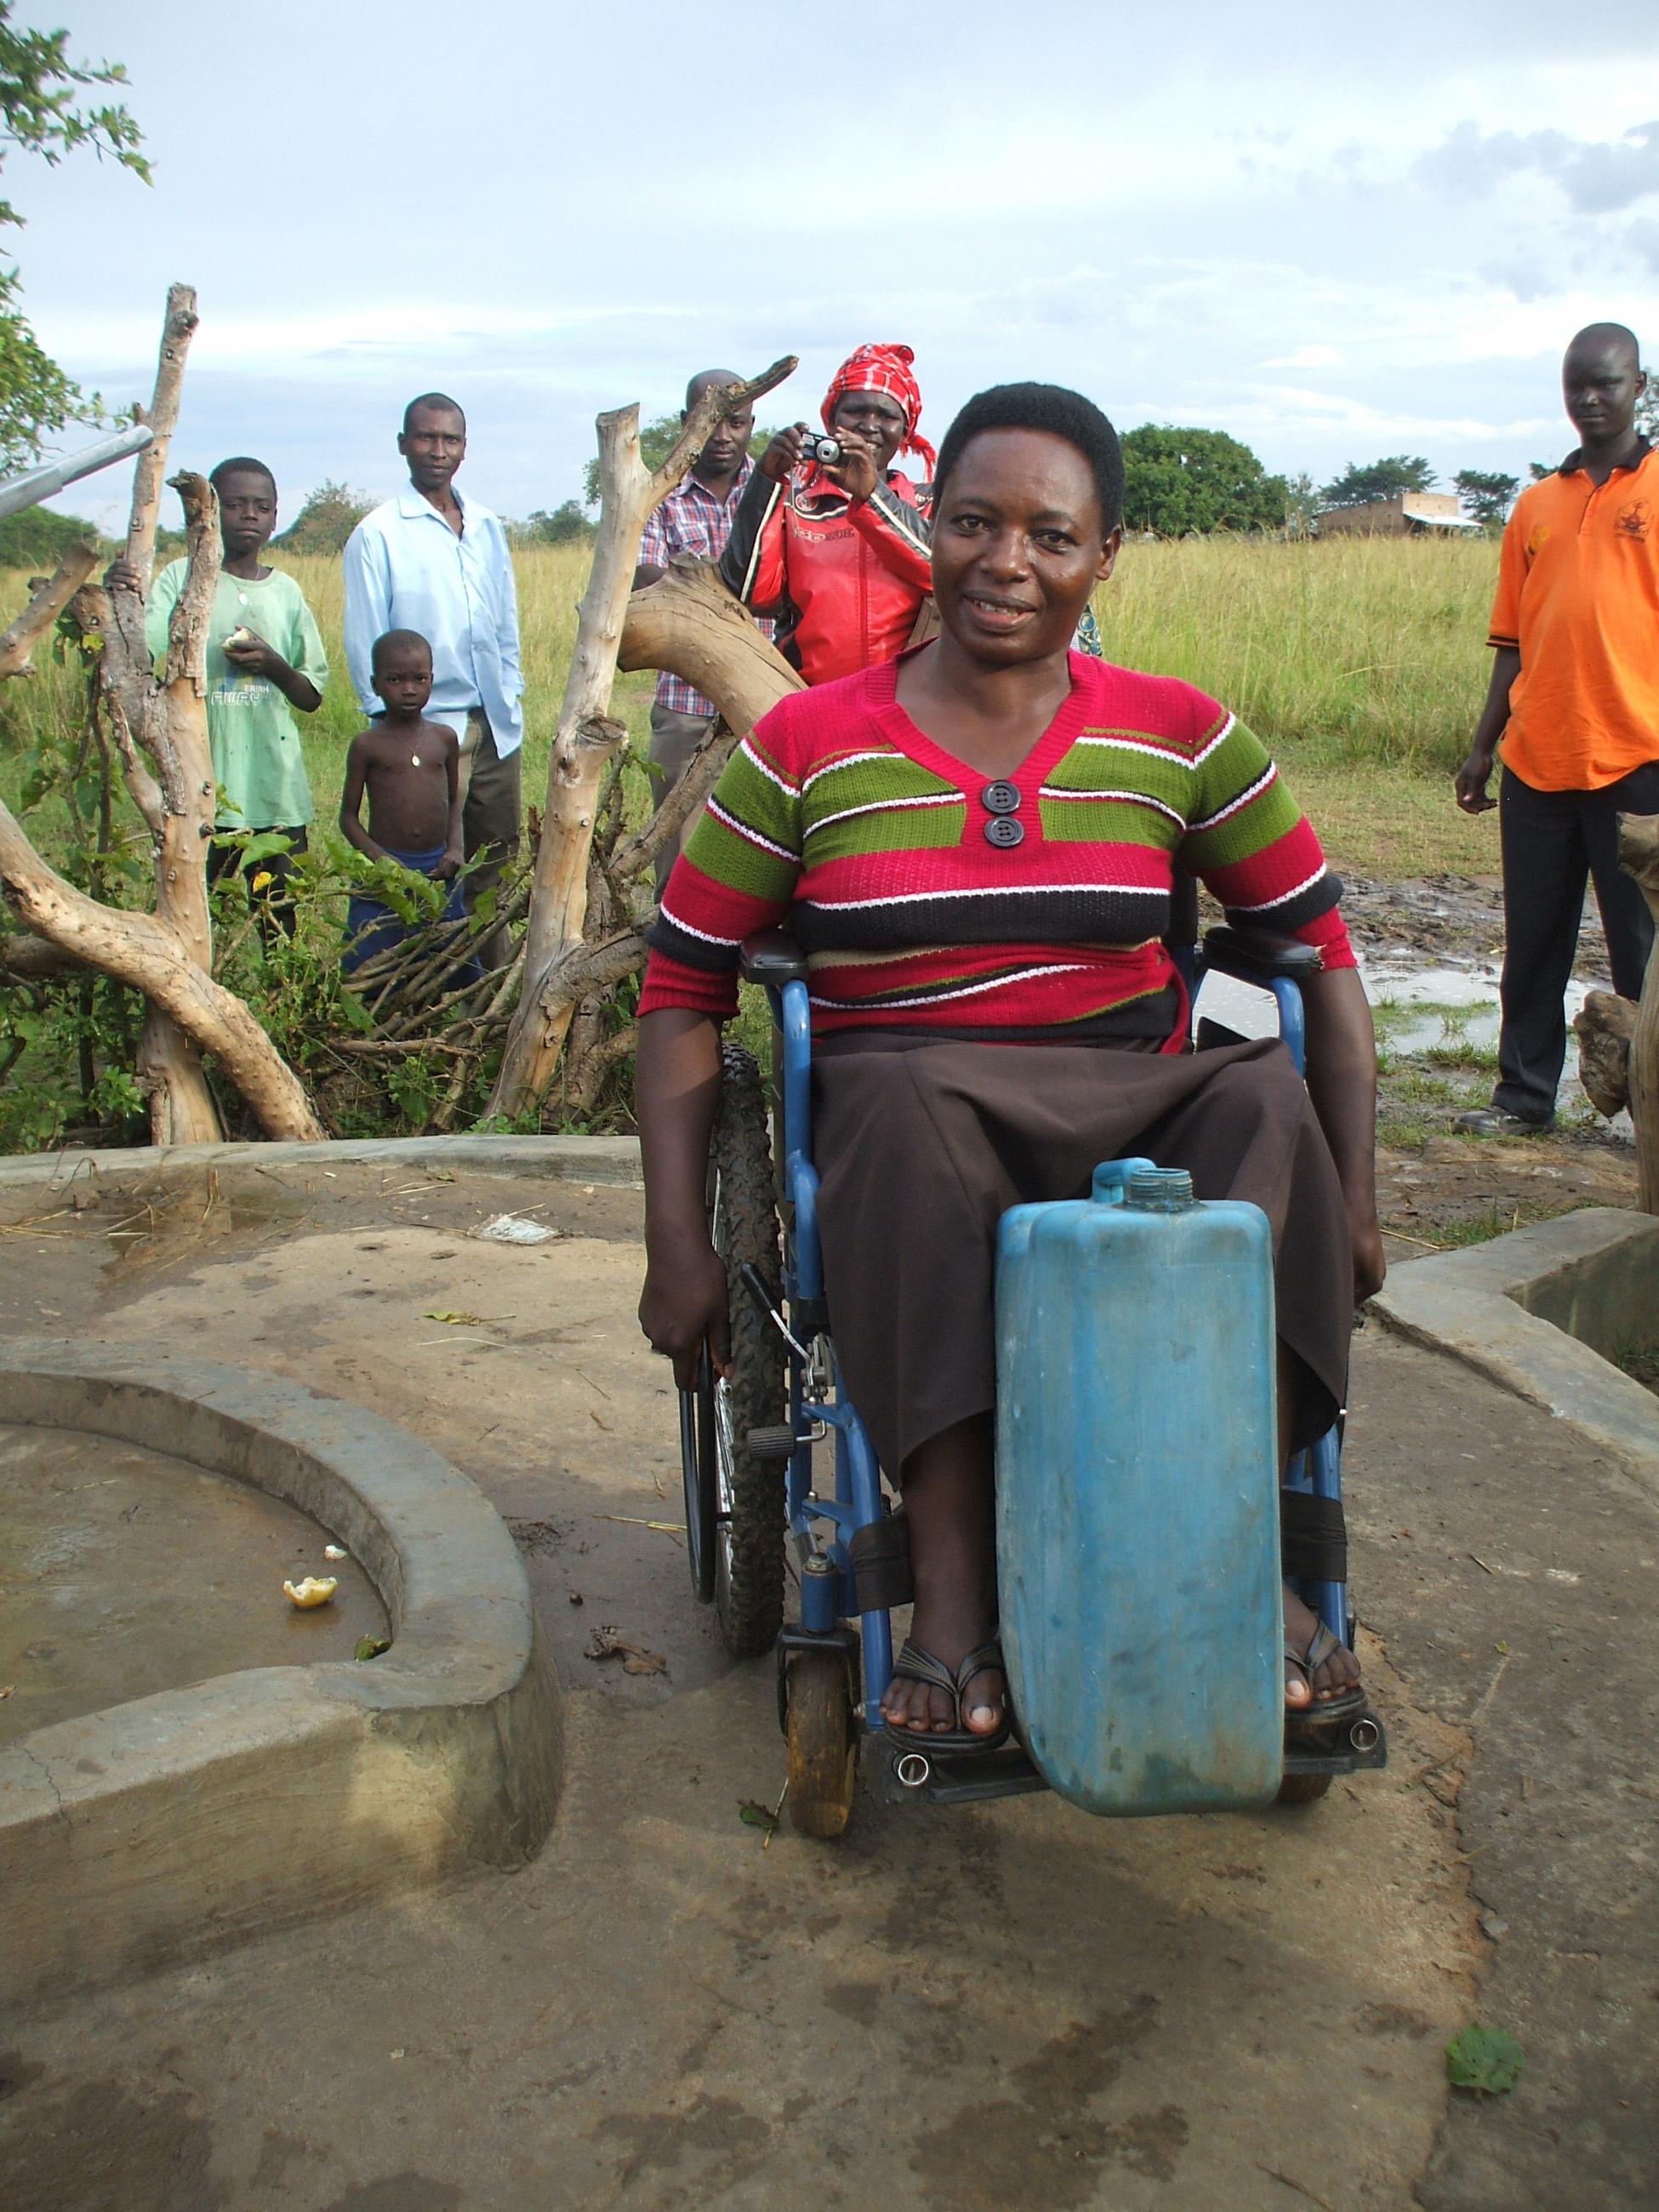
{"x": 1313, "y": 1537}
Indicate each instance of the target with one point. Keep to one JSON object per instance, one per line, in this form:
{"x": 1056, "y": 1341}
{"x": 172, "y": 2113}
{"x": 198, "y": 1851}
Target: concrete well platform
{"x": 163, "y": 1825}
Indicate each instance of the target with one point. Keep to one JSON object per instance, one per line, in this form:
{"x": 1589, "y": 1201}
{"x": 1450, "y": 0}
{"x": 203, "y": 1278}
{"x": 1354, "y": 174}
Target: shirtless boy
{"x": 410, "y": 770}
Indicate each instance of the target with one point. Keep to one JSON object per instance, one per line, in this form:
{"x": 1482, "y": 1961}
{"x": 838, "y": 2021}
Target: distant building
{"x": 1407, "y": 515}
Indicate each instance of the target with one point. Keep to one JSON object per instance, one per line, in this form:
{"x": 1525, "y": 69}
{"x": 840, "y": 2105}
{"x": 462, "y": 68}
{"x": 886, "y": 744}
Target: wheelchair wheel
{"x": 1303, "y": 1789}
{"x": 822, "y": 1744}
{"x": 749, "y": 1528}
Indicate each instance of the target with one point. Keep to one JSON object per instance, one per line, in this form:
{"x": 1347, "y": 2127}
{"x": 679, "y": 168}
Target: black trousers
{"x": 1553, "y": 841}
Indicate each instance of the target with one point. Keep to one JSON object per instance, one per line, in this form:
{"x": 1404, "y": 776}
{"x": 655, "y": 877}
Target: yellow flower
{"x": 262, "y": 879}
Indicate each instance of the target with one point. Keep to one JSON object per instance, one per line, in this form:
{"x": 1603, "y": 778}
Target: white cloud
{"x": 1307, "y": 356}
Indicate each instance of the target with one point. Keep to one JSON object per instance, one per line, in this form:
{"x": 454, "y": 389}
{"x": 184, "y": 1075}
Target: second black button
{"x": 1004, "y": 830}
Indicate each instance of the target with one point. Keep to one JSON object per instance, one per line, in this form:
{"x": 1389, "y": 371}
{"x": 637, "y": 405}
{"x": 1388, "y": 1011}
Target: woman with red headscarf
{"x": 840, "y": 550}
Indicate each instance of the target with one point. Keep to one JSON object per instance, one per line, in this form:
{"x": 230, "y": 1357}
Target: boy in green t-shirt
{"x": 265, "y": 657}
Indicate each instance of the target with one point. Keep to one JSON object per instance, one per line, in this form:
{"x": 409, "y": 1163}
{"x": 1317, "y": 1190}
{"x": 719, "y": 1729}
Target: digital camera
{"x": 818, "y": 446}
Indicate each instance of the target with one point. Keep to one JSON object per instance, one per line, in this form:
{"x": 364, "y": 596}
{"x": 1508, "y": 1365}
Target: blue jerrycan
{"x": 1138, "y": 1494}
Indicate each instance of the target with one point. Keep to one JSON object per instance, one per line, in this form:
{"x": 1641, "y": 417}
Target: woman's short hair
{"x": 1048, "y": 407}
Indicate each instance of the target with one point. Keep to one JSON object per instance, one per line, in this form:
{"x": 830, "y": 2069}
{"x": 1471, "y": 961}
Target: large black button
{"x": 1001, "y": 797}
{"x": 1004, "y": 830}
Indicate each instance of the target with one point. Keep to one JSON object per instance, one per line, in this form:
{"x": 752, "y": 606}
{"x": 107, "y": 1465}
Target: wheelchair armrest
{"x": 771, "y": 956}
{"x": 1256, "y": 956}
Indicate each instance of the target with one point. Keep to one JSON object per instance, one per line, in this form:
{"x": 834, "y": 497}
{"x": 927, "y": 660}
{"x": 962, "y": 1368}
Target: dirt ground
{"x": 1007, "y": 2005}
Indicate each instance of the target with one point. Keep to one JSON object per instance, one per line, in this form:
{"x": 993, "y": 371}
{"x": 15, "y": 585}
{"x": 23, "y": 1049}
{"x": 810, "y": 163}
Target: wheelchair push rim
{"x": 698, "y": 1471}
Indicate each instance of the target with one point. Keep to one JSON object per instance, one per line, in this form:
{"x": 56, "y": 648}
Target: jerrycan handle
{"x": 1111, "y": 1179}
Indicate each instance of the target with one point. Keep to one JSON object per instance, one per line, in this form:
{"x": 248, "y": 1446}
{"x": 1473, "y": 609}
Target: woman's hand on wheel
{"x": 683, "y": 1306}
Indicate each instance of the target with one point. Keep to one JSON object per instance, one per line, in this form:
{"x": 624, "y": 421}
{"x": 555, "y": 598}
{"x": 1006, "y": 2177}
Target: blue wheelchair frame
{"x": 829, "y": 1595}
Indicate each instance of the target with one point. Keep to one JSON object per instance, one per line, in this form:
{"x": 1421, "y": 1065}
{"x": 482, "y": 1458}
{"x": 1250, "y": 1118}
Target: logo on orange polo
{"x": 1632, "y": 520}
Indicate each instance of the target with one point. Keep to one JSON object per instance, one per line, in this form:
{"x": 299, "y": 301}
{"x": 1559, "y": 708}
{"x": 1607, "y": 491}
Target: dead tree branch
{"x": 49, "y": 598}
{"x": 1604, "y": 1025}
{"x": 141, "y": 950}
{"x": 558, "y": 905}
{"x": 162, "y": 415}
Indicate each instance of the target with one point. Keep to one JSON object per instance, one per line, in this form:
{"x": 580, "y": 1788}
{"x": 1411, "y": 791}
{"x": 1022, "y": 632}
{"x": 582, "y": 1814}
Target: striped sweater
{"x": 927, "y": 895}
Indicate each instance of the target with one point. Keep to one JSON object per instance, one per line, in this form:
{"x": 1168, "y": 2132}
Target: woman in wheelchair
{"x": 975, "y": 845}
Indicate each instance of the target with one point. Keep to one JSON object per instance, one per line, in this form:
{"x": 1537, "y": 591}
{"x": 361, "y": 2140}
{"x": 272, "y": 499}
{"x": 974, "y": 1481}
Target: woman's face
{"x": 1020, "y": 543}
{"x": 874, "y": 416}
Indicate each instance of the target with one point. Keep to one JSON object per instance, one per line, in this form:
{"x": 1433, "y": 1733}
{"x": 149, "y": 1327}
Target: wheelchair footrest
{"x": 912, "y": 1772}
{"x": 1357, "y": 1743}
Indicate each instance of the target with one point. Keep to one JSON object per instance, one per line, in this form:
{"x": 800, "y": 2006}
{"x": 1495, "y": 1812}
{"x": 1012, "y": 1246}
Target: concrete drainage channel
{"x": 167, "y": 1826}
{"x": 1546, "y": 1311}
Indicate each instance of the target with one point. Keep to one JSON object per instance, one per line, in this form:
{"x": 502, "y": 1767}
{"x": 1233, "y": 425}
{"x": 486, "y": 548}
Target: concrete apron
{"x": 160, "y": 1827}
{"x": 1544, "y": 1312}
{"x": 1012, "y": 2005}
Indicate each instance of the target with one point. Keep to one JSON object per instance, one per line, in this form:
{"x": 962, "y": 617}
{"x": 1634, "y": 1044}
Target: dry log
{"x": 1603, "y": 1026}
{"x": 582, "y": 744}
{"x": 1638, "y": 856}
{"x": 141, "y": 950}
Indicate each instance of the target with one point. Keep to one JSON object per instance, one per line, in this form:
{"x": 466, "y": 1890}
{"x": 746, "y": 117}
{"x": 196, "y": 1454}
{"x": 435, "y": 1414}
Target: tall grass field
{"x": 1359, "y": 661}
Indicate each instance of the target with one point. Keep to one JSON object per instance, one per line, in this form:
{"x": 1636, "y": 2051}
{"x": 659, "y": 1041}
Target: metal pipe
{"x": 28, "y": 490}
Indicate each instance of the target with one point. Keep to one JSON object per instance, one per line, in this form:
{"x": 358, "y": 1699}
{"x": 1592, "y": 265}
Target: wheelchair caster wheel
{"x": 1303, "y": 1789}
{"x": 822, "y": 1744}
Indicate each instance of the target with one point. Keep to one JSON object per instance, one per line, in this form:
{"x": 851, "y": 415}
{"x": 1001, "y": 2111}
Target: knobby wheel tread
{"x": 748, "y": 1585}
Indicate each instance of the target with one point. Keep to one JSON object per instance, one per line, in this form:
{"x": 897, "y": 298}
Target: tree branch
{"x": 48, "y": 601}
{"x": 717, "y": 405}
{"x": 139, "y": 949}
{"x": 162, "y": 416}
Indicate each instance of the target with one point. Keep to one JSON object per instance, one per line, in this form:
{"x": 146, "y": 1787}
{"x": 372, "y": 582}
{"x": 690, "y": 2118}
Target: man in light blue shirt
{"x": 431, "y": 563}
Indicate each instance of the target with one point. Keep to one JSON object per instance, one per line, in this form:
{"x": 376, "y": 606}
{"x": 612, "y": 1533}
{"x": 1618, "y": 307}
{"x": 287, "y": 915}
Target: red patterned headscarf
{"x": 883, "y": 368}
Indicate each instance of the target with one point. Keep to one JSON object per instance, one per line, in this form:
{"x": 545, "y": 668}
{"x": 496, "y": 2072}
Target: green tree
{"x": 1488, "y": 497}
{"x": 38, "y": 115}
{"x": 1181, "y": 480}
{"x": 326, "y": 521}
{"x": 37, "y": 538}
{"x": 1385, "y": 479}
{"x": 656, "y": 443}
{"x": 566, "y": 525}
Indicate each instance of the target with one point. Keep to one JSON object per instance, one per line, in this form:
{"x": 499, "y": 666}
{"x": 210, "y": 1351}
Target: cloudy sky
{"x": 1335, "y": 232}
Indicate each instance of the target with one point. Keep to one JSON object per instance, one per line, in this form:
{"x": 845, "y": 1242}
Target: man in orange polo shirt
{"x": 1574, "y": 702}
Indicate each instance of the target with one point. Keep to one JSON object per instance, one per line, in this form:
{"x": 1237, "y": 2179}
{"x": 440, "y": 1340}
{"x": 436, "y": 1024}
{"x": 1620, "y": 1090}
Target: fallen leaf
{"x": 454, "y": 1319}
{"x": 605, "y": 1644}
{"x": 6, "y": 1692}
{"x": 370, "y": 1647}
{"x": 754, "y": 1815}
{"x": 1487, "y": 2060}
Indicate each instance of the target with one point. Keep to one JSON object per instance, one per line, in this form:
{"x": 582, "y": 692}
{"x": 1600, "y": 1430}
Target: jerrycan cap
{"x": 1160, "y": 1190}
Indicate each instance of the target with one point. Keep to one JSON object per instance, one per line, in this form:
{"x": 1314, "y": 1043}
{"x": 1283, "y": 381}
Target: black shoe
{"x": 1493, "y": 1121}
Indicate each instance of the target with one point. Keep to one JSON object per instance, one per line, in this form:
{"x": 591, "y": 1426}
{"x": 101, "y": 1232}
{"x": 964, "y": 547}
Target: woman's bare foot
{"x": 1337, "y": 1672}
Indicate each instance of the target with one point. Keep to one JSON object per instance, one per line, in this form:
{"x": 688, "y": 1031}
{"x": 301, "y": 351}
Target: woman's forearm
{"x": 1342, "y": 1079}
{"x": 677, "y": 1082}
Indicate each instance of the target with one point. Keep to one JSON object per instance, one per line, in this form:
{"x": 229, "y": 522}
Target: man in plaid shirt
{"x": 696, "y": 518}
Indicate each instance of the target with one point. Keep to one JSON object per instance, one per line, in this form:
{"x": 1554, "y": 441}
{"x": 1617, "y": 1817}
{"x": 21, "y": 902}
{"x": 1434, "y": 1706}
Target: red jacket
{"x": 847, "y": 582}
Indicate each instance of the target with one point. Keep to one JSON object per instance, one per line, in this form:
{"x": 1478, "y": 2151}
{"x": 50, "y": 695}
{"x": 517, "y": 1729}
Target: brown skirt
{"x": 922, "y": 1146}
